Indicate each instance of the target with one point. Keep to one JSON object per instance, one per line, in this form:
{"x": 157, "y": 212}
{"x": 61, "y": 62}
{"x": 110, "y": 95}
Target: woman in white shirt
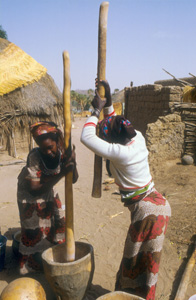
{"x": 125, "y": 150}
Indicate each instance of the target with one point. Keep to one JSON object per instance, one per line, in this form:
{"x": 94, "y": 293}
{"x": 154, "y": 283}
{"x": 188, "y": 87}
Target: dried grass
{"x": 17, "y": 69}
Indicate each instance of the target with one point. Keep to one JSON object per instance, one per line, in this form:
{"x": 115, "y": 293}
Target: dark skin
{"x": 50, "y": 152}
{"x": 49, "y": 148}
{"x": 100, "y": 104}
{"x": 97, "y": 101}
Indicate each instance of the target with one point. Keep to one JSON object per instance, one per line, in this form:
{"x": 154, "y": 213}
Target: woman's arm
{"x": 41, "y": 184}
{"x": 37, "y": 187}
{"x": 115, "y": 152}
{"x": 106, "y": 105}
{"x": 89, "y": 137}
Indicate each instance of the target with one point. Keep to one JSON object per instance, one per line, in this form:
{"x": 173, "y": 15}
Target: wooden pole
{"x": 181, "y": 292}
{"x": 101, "y": 70}
{"x": 69, "y": 231}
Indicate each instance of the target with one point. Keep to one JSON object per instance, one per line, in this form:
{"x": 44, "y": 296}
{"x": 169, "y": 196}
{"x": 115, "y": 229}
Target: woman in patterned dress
{"x": 41, "y": 215}
{"x": 126, "y": 155}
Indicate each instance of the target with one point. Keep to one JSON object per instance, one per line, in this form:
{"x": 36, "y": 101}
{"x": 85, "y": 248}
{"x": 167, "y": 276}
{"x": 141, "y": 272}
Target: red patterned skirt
{"x": 139, "y": 267}
{"x": 42, "y": 226}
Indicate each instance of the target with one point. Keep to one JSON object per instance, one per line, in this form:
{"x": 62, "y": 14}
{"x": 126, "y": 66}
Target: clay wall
{"x": 168, "y": 124}
{"x": 145, "y": 104}
{"x": 17, "y": 143}
{"x": 165, "y": 138}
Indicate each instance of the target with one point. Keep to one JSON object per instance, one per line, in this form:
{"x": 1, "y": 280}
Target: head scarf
{"x": 116, "y": 129}
{"x": 44, "y": 128}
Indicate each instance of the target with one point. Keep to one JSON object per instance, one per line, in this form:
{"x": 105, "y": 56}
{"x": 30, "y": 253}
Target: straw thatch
{"x": 17, "y": 69}
{"x": 189, "y": 94}
{"x": 36, "y": 99}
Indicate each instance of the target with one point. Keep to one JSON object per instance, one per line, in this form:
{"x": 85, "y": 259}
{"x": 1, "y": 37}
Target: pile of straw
{"x": 189, "y": 94}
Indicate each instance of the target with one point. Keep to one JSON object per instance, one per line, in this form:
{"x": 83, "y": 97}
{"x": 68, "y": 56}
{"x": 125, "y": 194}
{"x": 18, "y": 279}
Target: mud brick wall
{"x": 187, "y": 111}
{"x": 165, "y": 138}
{"x": 168, "y": 124}
{"x": 145, "y": 104}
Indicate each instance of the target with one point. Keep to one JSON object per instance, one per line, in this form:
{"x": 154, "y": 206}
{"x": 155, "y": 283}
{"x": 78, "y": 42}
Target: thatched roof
{"x": 17, "y": 68}
{"x": 37, "y": 97}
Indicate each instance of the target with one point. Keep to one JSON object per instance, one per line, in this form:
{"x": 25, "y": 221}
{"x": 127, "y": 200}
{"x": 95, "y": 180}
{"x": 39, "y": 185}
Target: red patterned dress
{"x": 139, "y": 267}
{"x": 42, "y": 217}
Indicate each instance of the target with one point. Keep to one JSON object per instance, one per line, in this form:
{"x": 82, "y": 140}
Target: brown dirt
{"x": 103, "y": 222}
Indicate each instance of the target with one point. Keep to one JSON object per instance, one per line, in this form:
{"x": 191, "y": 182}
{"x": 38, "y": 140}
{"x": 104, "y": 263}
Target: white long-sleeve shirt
{"x": 128, "y": 163}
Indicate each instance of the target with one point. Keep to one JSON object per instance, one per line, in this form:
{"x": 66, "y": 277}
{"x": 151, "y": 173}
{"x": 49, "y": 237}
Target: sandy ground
{"x": 104, "y": 222}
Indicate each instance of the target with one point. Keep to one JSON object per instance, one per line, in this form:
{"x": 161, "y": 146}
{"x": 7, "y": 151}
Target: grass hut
{"x": 27, "y": 94}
